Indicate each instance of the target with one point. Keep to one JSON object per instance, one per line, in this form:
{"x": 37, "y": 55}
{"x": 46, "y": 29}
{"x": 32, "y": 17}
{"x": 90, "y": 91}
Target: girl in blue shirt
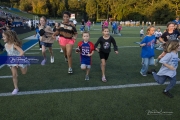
{"x": 147, "y": 53}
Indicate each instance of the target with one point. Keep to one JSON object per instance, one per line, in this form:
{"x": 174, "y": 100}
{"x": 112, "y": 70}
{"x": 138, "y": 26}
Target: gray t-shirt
{"x": 170, "y": 59}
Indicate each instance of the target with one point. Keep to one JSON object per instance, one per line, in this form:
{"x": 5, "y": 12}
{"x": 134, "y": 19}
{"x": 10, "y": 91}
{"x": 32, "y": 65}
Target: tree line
{"x": 160, "y": 11}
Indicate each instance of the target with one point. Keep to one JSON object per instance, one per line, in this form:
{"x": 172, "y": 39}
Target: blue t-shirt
{"x": 148, "y": 49}
{"x": 114, "y": 25}
{"x": 176, "y": 22}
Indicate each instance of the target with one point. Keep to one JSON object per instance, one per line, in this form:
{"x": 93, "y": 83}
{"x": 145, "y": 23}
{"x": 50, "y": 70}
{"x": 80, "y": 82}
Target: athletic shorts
{"x": 85, "y": 66}
{"x": 141, "y": 35}
{"x": 157, "y": 38}
{"x": 64, "y": 41}
{"x": 103, "y": 55}
{"x": 46, "y": 44}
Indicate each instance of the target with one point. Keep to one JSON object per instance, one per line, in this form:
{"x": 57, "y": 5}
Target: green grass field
{"x": 130, "y": 103}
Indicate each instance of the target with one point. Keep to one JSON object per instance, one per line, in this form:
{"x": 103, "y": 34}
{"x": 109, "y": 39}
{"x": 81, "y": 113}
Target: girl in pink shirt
{"x": 88, "y": 24}
{"x": 106, "y": 23}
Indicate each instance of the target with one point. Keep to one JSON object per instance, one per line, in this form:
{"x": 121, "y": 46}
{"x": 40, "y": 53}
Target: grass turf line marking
{"x": 10, "y": 76}
{"x": 84, "y": 89}
{"x": 33, "y": 53}
{"x": 24, "y": 51}
{"x": 111, "y": 47}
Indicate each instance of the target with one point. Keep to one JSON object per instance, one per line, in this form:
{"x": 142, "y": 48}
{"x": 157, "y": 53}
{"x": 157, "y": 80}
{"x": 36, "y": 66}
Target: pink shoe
{"x": 15, "y": 91}
{"x": 104, "y": 79}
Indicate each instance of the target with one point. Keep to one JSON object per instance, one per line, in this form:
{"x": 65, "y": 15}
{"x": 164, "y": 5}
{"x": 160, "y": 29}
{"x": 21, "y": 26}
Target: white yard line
{"x": 30, "y": 38}
{"x": 84, "y": 89}
{"x": 111, "y": 47}
{"x": 10, "y": 76}
{"x": 32, "y": 53}
{"x": 116, "y": 36}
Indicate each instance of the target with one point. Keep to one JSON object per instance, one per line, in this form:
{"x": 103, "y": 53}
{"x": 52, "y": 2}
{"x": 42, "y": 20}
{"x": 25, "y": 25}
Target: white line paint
{"x": 24, "y": 51}
{"x": 84, "y": 89}
{"x": 111, "y": 47}
{"x": 6, "y": 76}
{"x": 31, "y": 37}
{"x": 32, "y": 53}
{"x": 115, "y": 36}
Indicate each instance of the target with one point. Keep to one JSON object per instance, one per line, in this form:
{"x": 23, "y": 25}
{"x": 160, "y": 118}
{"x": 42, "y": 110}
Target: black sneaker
{"x": 168, "y": 94}
{"x": 152, "y": 70}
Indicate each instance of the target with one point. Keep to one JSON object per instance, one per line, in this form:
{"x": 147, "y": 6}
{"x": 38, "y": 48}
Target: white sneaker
{"x": 70, "y": 70}
{"x": 143, "y": 74}
{"x": 86, "y": 77}
{"x": 61, "y": 51}
{"x": 40, "y": 48}
{"x": 15, "y": 91}
{"x": 52, "y": 59}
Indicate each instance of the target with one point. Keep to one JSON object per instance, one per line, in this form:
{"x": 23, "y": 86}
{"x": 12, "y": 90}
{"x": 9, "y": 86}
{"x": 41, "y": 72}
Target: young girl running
{"x": 119, "y": 29}
{"x": 86, "y": 49}
{"x": 169, "y": 66}
{"x": 147, "y": 52}
{"x": 13, "y": 48}
{"x": 68, "y": 35}
{"x": 169, "y": 34}
{"x": 46, "y": 39}
{"x": 105, "y": 48}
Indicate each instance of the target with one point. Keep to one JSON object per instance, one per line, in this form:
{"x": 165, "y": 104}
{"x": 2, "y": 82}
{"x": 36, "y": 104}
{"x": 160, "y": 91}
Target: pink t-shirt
{"x": 88, "y": 23}
{"x": 119, "y": 27}
{"x": 106, "y": 23}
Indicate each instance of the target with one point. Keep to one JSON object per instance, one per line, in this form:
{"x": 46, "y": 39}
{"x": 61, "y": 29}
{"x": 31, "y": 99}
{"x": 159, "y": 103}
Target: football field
{"x": 50, "y": 93}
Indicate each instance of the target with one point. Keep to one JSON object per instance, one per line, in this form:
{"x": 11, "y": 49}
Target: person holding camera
{"x": 46, "y": 39}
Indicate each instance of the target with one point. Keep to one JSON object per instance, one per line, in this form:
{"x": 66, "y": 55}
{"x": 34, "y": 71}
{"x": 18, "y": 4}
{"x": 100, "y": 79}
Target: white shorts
{"x": 85, "y": 66}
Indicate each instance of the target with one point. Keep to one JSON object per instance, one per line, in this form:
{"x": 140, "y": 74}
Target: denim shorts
{"x": 46, "y": 44}
{"x": 141, "y": 35}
